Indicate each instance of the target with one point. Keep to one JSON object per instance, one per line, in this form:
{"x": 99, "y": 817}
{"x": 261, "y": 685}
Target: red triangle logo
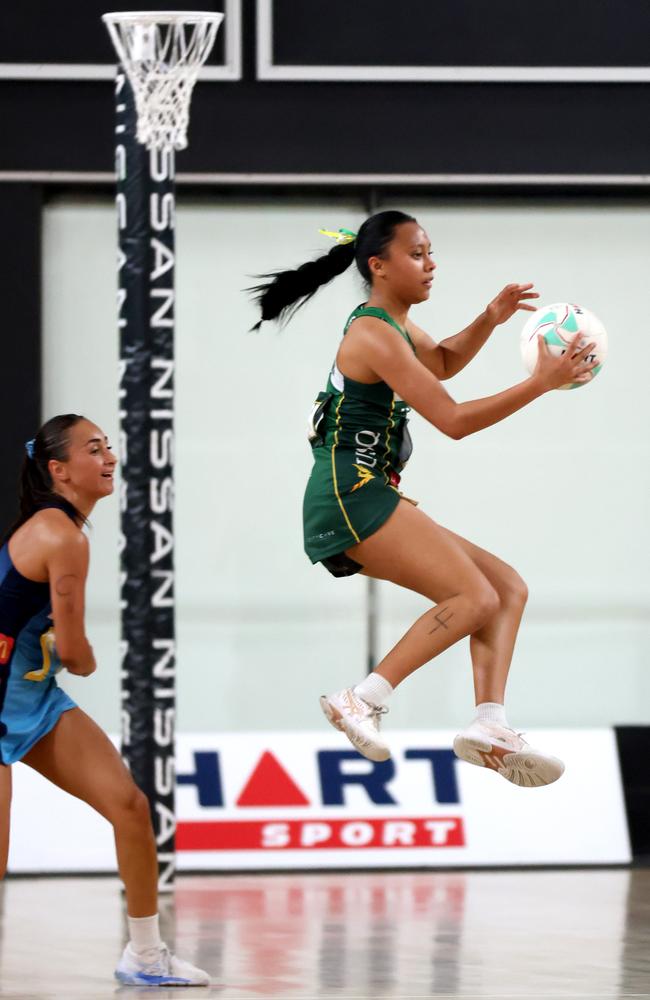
{"x": 270, "y": 785}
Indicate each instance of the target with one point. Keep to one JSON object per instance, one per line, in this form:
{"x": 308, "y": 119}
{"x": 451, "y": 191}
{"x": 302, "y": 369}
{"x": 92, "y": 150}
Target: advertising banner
{"x": 308, "y": 800}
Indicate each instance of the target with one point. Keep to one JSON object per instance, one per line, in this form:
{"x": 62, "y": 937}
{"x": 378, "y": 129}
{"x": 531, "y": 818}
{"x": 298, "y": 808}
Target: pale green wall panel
{"x": 560, "y": 490}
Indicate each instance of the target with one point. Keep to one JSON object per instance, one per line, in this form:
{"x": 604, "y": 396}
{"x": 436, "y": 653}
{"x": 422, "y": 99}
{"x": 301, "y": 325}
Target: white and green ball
{"x": 559, "y": 323}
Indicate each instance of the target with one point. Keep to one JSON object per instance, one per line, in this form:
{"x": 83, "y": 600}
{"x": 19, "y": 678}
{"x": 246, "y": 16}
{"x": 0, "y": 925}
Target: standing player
{"x": 356, "y": 520}
{"x": 43, "y": 566}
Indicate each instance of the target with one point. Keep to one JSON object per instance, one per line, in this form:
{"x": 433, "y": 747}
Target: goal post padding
{"x": 146, "y": 300}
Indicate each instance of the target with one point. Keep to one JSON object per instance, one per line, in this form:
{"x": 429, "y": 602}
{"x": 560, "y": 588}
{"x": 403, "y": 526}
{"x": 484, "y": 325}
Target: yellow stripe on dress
{"x": 47, "y": 647}
{"x": 389, "y": 426}
{"x": 336, "y": 485}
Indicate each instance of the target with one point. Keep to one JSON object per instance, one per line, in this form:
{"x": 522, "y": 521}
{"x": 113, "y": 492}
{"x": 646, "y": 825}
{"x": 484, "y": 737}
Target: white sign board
{"x": 308, "y": 800}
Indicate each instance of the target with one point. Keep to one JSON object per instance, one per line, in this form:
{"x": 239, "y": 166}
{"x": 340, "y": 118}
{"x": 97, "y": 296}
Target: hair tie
{"x": 29, "y": 447}
{"x": 342, "y": 236}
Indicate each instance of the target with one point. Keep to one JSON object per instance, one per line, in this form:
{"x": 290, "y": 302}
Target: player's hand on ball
{"x": 572, "y": 366}
{"x": 508, "y": 301}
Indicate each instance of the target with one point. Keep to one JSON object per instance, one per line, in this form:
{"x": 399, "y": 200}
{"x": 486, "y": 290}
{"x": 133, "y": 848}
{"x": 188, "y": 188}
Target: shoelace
{"x": 372, "y": 709}
{"x": 515, "y": 733}
{"x": 161, "y": 964}
{"x": 376, "y": 711}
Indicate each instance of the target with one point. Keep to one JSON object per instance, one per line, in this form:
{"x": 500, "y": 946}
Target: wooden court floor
{"x": 515, "y": 934}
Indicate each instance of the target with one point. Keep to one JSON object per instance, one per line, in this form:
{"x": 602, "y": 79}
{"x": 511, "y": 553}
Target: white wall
{"x": 560, "y": 490}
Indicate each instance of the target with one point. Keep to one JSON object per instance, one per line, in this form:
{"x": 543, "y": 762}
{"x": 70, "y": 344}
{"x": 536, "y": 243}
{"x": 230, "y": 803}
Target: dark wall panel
{"x": 634, "y": 756}
{"x": 401, "y": 128}
{"x": 364, "y": 127}
{"x": 20, "y": 365}
{"x": 69, "y": 31}
{"x": 462, "y": 33}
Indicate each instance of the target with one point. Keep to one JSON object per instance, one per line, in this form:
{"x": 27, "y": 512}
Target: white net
{"x": 162, "y": 53}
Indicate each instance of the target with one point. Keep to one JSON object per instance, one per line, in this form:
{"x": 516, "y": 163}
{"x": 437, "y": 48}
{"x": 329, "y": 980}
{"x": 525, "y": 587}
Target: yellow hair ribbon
{"x": 342, "y": 236}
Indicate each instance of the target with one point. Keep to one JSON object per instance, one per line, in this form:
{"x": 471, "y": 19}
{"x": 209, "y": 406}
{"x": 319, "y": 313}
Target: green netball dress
{"x": 360, "y": 442}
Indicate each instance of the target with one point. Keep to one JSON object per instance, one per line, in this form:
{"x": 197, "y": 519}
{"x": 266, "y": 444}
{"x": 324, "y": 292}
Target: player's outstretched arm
{"x": 392, "y": 360}
{"x": 453, "y": 354}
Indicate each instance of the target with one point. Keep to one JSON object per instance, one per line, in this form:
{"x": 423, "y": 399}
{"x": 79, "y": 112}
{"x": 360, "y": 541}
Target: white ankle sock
{"x": 491, "y": 711}
{"x": 144, "y": 933}
{"x": 374, "y": 689}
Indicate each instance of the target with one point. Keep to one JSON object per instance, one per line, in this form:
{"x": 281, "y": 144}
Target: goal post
{"x": 160, "y": 55}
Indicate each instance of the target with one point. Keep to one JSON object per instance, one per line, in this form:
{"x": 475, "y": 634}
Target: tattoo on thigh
{"x": 442, "y": 622}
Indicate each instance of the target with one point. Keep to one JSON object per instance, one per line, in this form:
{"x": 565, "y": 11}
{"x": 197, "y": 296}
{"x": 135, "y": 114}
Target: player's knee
{"x": 139, "y": 807}
{"x": 485, "y": 604}
{"x": 513, "y": 591}
{"x": 517, "y": 590}
{"x": 133, "y": 808}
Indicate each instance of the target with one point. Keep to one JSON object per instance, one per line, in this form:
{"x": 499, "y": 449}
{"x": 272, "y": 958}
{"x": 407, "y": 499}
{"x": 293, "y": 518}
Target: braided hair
{"x": 35, "y": 489}
{"x": 286, "y": 291}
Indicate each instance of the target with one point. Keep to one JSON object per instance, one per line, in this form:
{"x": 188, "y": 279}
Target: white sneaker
{"x": 158, "y": 967}
{"x": 358, "y": 720}
{"x": 503, "y": 750}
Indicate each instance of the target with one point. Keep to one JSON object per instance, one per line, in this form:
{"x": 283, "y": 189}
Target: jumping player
{"x": 355, "y": 518}
{"x": 43, "y": 566}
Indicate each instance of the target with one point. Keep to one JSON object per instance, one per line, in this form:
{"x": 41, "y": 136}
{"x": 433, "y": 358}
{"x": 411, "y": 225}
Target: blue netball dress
{"x": 31, "y": 701}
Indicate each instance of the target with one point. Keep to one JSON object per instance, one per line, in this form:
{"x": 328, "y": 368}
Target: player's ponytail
{"x": 36, "y": 489}
{"x": 286, "y": 291}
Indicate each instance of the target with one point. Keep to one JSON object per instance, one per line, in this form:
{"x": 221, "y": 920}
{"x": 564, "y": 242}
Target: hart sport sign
{"x": 285, "y": 800}
{"x": 308, "y": 800}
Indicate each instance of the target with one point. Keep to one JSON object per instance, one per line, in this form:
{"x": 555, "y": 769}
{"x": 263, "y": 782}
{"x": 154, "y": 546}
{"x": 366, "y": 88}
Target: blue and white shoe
{"x": 158, "y": 967}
